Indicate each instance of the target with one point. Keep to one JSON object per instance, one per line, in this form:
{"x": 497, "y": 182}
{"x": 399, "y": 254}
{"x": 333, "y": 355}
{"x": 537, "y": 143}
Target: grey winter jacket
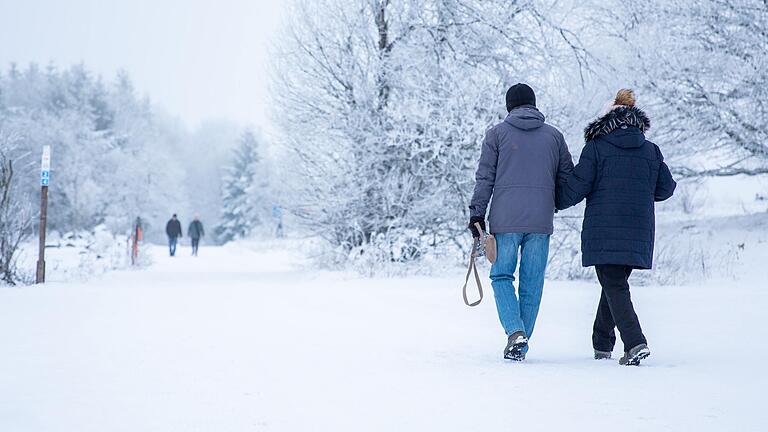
{"x": 520, "y": 163}
{"x": 195, "y": 229}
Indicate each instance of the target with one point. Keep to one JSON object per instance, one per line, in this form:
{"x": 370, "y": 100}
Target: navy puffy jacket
{"x": 621, "y": 174}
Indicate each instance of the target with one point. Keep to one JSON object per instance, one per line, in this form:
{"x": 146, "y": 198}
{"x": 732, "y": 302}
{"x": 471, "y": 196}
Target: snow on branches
{"x": 383, "y": 104}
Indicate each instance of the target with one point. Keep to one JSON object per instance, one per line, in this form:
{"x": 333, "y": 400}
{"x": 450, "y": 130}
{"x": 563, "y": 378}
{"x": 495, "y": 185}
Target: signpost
{"x": 45, "y": 178}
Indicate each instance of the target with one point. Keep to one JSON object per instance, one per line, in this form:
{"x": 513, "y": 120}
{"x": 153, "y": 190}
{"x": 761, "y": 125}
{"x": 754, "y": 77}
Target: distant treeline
{"x": 114, "y": 157}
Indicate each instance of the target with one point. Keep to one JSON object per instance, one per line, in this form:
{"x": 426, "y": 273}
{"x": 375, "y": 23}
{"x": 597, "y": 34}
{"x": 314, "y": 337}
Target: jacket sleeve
{"x": 485, "y": 177}
{"x": 576, "y": 186}
{"x": 565, "y": 164}
{"x": 665, "y": 184}
{"x": 202, "y": 231}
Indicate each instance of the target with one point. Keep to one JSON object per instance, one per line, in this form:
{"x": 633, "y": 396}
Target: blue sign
{"x": 44, "y": 182}
{"x": 45, "y": 174}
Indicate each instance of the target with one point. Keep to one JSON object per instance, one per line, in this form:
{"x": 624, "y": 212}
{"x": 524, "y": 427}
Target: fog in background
{"x": 197, "y": 59}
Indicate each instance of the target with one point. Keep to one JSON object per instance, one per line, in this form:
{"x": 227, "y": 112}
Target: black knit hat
{"x": 520, "y": 94}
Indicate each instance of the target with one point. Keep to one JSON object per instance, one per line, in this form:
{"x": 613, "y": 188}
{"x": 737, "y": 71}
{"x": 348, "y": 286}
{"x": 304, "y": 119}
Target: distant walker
{"x": 173, "y": 230}
{"x": 195, "y": 232}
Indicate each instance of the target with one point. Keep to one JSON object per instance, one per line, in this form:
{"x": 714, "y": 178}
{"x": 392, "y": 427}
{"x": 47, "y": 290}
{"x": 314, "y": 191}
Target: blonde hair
{"x": 625, "y": 97}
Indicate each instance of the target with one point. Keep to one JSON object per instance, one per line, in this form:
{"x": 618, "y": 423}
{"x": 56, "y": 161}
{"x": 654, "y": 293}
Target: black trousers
{"x": 195, "y": 245}
{"x": 615, "y": 310}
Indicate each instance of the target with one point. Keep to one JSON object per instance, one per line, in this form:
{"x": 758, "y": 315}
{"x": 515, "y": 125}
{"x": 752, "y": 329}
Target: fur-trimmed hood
{"x": 616, "y": 118}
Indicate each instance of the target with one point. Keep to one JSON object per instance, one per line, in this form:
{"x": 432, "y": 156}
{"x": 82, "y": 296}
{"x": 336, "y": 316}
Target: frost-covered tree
{"x": 15, "y": 211}
{"x": 705, "y": 79}
{"x": 240, "y": 191}
{"x": 384, "y": 103}
{"x": 112, "y": 157}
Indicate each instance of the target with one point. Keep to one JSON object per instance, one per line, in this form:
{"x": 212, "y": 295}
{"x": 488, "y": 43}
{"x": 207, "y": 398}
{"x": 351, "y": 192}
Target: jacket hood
{"x": 626, "y": 137}
{"x": 525, "y": 117}
{"x": 629, "y": 123}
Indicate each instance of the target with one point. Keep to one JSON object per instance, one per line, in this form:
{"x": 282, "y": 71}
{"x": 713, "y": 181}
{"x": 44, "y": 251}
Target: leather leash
{"x": 473, "y": 268}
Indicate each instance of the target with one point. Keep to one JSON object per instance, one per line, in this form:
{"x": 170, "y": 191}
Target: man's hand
{"x": 473, "y": 228}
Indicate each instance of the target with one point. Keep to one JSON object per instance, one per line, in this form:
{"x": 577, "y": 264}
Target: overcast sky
{"x": 197, "y": 59}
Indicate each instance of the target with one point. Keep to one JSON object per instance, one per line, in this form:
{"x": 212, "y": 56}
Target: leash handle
{"x": 480, "y": 230}
{"x": 473, "y": 268}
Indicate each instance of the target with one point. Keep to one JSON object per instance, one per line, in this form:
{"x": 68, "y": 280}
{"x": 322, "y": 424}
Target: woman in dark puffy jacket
{"x": 621, "y": 174}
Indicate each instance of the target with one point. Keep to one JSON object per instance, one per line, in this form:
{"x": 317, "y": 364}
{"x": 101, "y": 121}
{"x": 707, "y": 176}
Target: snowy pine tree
{"x": 239, "y": 213}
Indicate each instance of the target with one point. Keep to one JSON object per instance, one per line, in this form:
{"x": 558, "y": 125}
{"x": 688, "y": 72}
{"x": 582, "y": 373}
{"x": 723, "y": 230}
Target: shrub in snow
{"x": 15, "y": 211}
{"x": 385, "y": 254}
{"x": 689, "y": 255}
{"x": 84, "y": 254}
{"x": 565, "y": 249}
{"x": 691, "y": 194}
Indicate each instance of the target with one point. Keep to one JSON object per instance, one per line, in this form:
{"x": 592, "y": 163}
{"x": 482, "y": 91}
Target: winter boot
{"x": 633, "y": 357}
{"x": 602, "y": 355}
{"x": 515, "y": 345}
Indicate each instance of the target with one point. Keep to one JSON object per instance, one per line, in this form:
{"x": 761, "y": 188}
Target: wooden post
{"x": 43, "y": 221}
{"x": 45, "y": 170}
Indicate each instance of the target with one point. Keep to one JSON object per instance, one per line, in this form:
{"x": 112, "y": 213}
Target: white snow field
{"x": 246, "y": 338}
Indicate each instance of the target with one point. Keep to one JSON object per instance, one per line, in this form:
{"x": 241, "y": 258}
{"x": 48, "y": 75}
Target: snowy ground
{"x": 243, "y": 338}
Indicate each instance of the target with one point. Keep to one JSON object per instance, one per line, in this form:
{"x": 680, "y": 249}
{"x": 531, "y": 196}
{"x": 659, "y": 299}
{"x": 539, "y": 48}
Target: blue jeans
{"x": 172, "y": 245}
{"x": 534, "y": 251}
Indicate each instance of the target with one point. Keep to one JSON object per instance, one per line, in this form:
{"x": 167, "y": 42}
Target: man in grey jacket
{"x": 521, "y": 160}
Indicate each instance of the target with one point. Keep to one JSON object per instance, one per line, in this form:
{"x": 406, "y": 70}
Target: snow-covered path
{"x": 242, "y": 339}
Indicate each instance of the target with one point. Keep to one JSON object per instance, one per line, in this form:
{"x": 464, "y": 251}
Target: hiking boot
{"x": 602, "y": 355}
{"x": 633, "y": 357}
{"x": 515, "y": 345}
